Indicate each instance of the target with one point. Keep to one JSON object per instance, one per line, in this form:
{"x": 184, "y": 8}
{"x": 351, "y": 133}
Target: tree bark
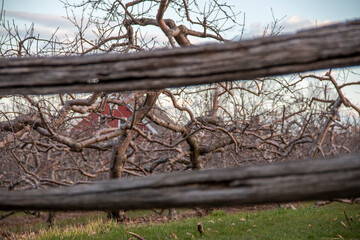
{"x": 334, "y": 112}
{"x": 327, "y": 47}
{"x": 194, "y": 152}
{"x": 119, "y": 157}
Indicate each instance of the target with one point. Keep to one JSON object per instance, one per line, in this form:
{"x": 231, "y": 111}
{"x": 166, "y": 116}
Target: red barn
{"x": 113, "y": 116}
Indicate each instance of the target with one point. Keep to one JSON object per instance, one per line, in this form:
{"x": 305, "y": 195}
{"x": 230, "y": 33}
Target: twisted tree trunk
{"x": 119, "y": 157}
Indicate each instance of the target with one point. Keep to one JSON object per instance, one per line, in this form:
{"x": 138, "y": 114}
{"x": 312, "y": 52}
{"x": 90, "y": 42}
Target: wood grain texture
{"x": 280, "y": 182}
{"x": 327, "y": 47}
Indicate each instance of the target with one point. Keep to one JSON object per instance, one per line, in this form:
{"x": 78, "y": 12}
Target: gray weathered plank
{"x": 280, "y": 182}
{"x": 327, "y": 47}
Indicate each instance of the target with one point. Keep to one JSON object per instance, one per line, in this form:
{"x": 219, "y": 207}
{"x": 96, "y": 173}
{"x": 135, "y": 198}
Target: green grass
{"x": 304, "y": 223}
{"x": 64, "y": 223}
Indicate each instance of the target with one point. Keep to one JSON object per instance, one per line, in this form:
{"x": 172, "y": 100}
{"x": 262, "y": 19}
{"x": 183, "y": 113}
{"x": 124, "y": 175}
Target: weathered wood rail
{"x": 280, "y": 182}
{"x": 327, "y": 47}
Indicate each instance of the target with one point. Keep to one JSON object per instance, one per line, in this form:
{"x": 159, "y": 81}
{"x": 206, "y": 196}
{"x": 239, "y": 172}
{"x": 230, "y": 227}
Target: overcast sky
{"x": 47, "y": 15}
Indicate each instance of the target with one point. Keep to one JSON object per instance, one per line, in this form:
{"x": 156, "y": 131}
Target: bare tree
{"x": 69, "y": 139}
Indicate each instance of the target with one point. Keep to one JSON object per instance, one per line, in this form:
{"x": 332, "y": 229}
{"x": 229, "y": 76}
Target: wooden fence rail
{"x": 327, "y": 47}
{"x": 280, "y": 182}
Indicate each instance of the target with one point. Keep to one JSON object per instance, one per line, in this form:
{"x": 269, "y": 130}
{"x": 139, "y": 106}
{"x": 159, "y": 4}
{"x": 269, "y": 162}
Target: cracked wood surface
{"x": 318, "y": 179}
{"x": 327, "y": 47}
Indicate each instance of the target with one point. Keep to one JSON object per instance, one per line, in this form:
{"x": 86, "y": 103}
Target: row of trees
{"x": 218, "y": 125}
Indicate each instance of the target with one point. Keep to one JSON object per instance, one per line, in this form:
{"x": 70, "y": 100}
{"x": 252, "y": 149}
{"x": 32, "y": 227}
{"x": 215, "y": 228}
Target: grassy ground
{"x": 334, "y": 221}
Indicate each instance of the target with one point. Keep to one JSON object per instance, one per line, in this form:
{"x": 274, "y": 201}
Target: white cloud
{"x": 47, "y": 31}
{"x": 291, "y": 24}
{"x": 297, "y": 22}
{"x": 45, "y": 25}
{"x": 256, "y": 29}
{"x": 50, "y": 20}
